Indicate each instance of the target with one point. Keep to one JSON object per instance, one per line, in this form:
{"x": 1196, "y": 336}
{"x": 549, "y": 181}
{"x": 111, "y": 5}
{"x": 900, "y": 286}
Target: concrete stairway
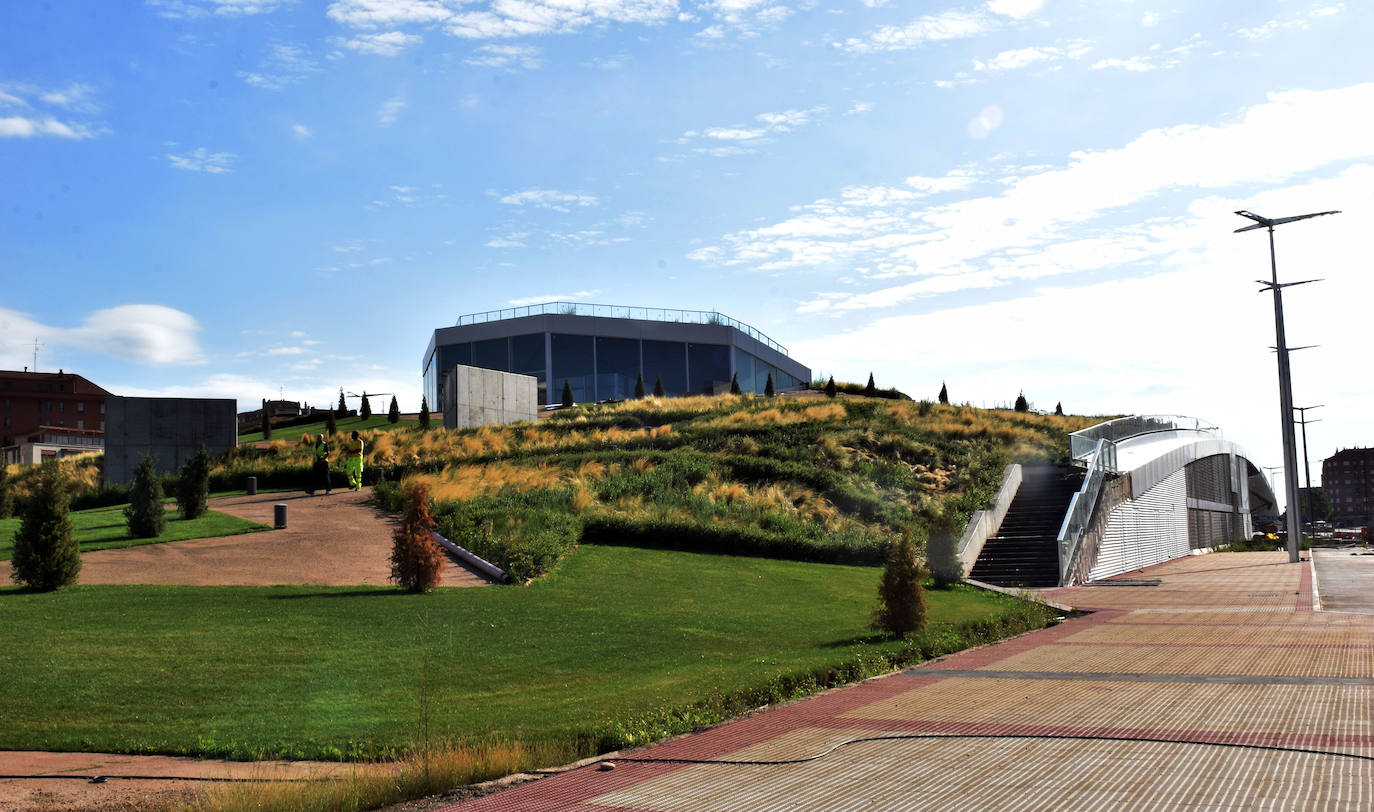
{"x": 1024, "y": 552}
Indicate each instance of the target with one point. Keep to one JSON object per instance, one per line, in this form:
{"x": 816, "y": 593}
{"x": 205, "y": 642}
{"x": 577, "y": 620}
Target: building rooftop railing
{"x": 1082, "y": 442}
{"x": 621, "y": 312}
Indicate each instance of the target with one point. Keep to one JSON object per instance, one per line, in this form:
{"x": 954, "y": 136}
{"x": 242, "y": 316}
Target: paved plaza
{"x": 1210, "y": 683}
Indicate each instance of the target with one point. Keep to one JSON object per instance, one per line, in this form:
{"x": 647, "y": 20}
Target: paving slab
{"x": 1347, "y": 579}
{"x": 1208, "y": 682}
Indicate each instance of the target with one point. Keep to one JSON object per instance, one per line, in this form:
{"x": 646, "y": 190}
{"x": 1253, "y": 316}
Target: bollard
{"x": 252, "y": 486}
{"x": 279, "y": 516}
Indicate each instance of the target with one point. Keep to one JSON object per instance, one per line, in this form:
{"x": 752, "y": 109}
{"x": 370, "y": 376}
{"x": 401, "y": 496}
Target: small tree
{"x": 658, "y": 386}
{"x": 393, "y": 412}
{"x": 567, "y": 392}
{"x": 944, "y": 394}
{"x": 901, "y": 598}
{"x": 830, "y": 387}
{"x": 1021, "y": 404}
{"x": 1059, "y": 409}
{"x": 193, "y": 484}
{"x": 331, "y": 424}
{"x": 144, "y": 513}
{"x": 365, "y": 410}
{"x": 342, "y": 409}
{"x": 734, "y": 385}
{"x": 424, "y": 411}
{"x": 6, "y": 492}
{"x": 416, "y": 560}
{"x": 266, "y": 422}
{"x": 45, "y": 553}
{"x": 870, "y": 391}
{"x": 639, "y": 385}
{"x": 768, "y": 386}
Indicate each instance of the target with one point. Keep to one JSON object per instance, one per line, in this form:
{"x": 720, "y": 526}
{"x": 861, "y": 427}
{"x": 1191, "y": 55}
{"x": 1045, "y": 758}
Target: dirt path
{"x": 334, "y": 540}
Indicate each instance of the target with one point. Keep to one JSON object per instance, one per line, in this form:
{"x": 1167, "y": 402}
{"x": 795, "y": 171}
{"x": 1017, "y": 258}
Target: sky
{"x": 254, "y": 198}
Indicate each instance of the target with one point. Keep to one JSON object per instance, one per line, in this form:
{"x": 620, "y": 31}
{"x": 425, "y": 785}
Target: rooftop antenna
{"x": 1290, "y": 453}
{"x": 36, "y": 345}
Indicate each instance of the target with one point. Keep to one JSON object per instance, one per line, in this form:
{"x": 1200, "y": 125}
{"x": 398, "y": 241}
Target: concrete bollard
{"x": 279, "y": 516}
{"x": 252, "y": 486}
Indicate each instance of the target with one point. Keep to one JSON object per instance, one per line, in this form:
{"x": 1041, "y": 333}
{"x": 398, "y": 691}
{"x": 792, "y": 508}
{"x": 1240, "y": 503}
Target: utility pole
{"x": 1306, "y": 466}
{"x": 1290, "y": 457}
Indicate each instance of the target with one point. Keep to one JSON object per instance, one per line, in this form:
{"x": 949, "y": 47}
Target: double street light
{"x": 1290, "y": 460}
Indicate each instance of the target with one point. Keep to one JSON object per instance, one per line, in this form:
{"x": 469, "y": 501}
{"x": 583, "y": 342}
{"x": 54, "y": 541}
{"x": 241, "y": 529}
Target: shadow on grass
{"x": 353, "y": 593}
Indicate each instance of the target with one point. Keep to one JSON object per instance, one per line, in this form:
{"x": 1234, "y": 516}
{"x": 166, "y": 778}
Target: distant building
{"x": 278, "y": 409}
{"x": 1348, "y": 480}
{"x": 601, "y": 350}
{"x": 49, "y": 414}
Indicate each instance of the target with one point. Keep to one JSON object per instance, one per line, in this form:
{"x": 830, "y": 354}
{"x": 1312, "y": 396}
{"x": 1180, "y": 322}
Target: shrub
{"x": 768, "y": 387}
{"x": 871, "y": 390}
{"x": 734, "y": 385}
{"x": 424, "y": 412}
{"x": 331, "y": 424}
{"x": 6, "y": 493}
{"x": 365, "y": 411}
{"x": 144, "y": 513}
{"x": 342, "y": 409}
{"x": 266, "y": 422}
{"x": 639, "y": 385}
{"x": 45, "y": 552}
{"x": 1021, "y": 404}
{"x": 658, "y": 387}
{"x": 393, "y": 412}
{"x": 415, "y": 557}
{"x": 567, "y": 393}
{"x": 901, "y": 608}
{"x": 193, "y": 484}
{"x": 944, "y": 394}
{"x": 830, "y": 387}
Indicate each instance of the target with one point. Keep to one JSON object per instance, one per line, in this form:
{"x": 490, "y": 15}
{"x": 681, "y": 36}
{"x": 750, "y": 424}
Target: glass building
{"x": 600, "y": 350}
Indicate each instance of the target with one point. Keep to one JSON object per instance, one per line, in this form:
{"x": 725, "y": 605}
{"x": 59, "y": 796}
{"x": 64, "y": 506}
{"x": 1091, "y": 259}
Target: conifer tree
{"x": 1059, "y": 409}
{"x": 658, "y": 386}
{"x": 45, "y": 554}
{"x": 365, "y": 410}
{"x": 193, "y": 484}
{"x": 1021, "y": 404}
{"x": 424, "y": 411}
{"x": 393, "y": 412}
{"x": 567, "y": 392}
{"x": 416, "y": 560}
{"x": 144, "y": 513}
{"x": 734, "y": 385}
{"x": 331, "y": 425}
{"x": 870, "y": 390}
{"x": 830, "y": 389}
{"x": 639, "y": 385}
{"x": 342, "y": 409}
{"x": 944, "y": 394}
{"x": 266, "y": 422}
{"x": 901, "y": 598}
{"x": 768, "y": 386}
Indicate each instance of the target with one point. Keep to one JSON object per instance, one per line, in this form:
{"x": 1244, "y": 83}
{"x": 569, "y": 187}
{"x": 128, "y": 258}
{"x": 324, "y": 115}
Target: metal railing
{"x": 1083, "y": 442}
{"x": 1101, "y": 461}
{"x": 621, "y": 312}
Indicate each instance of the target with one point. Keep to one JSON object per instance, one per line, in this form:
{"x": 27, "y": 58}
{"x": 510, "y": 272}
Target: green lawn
{"x": 615, "y": 634}
{"x": 344, "y": 424}
{"x": 107, "y": 529}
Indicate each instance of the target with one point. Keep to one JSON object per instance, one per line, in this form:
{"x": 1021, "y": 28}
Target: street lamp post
{"x": 1307, "y": 466}
{"x": 1290, "y": 457}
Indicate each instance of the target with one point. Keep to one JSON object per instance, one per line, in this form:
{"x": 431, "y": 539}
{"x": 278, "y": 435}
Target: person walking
{"x": 319, "y": 469}
{"x": 354, "y": 465}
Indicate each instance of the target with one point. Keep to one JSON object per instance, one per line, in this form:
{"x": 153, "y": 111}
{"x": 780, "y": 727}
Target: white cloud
{"x": 987, "y": 120}
{"x": 520, "y": 18}
{"x": 390, "y": 111}
{"x": 765, "y": 124}
{"x": 282, "y": 65}
{"x": 947, "y": 25}
{"x": 1135, "y": 64}
{"x": 1022, "y": 57}
{"x": 203, "y": 160}
{"x": 513, "y": 240}
{"x": 745, "y": 17}
{"x": 1150, "y": 19}
{"x": 34, "y": 112}
{"x": 142, "y": 333}
{"x": 301, "y": 132}
{"x": 859, "y": 108}
{"x": 1019, "y": 9}
{"x": 508, "y": 57}
{"x": 192, "y": 9}
{"x": 548, "y": 199}
{"x": 389, "y": 43}
{"x": 553, "y": 297}
{"x": 373, "y": 14}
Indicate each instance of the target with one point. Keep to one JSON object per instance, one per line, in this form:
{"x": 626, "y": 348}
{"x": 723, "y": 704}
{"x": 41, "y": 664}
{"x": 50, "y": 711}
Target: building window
{"x": 81, "y": 424}
{"x": 81, "y": 407}
{"x": 572, "y": 362}
{"x": 668, "y": 359}
{"x": 617, "y": 368}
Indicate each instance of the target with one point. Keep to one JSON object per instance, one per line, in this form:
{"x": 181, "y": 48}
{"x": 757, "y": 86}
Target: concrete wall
{"x": 984, "y": 524}
{"x": 171, "y": 429}
{"x": 483, "y": 397}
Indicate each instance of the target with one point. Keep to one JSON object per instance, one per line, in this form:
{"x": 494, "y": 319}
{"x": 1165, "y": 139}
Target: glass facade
{"x": 600, "y": 368}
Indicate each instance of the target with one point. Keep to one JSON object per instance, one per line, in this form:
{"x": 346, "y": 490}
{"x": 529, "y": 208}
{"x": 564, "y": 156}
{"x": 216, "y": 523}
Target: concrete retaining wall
{"x": 984, "y": 524}
{"x": 483, "y": 397}
{"x": 171, "y": 429}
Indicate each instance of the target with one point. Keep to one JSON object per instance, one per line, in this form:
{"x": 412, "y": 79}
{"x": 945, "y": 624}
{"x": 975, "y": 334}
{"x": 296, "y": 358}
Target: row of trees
{"x": 393, "y": 414}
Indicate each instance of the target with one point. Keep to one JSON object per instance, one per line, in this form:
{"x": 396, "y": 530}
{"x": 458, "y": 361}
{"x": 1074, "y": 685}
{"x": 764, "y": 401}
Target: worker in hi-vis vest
{"x": 319, "y": 468}
{"x": 354, "y": 465}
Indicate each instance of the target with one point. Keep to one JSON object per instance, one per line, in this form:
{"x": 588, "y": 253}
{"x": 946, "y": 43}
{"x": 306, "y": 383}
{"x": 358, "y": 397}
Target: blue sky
{"x": 241, "y": 197}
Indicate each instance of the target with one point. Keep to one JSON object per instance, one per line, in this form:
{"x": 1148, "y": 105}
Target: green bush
{"x": 144, "y": 513}
{"x": 45, "y": 554}
{"x": 504, "y": 531}
{"x": 6, "y": 493}
{"x": 193, "y": 484}
{"x": 901, "y": 598}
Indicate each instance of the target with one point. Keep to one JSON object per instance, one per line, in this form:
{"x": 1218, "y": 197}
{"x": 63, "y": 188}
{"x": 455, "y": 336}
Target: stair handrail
{"x": 1101, "y": 462}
